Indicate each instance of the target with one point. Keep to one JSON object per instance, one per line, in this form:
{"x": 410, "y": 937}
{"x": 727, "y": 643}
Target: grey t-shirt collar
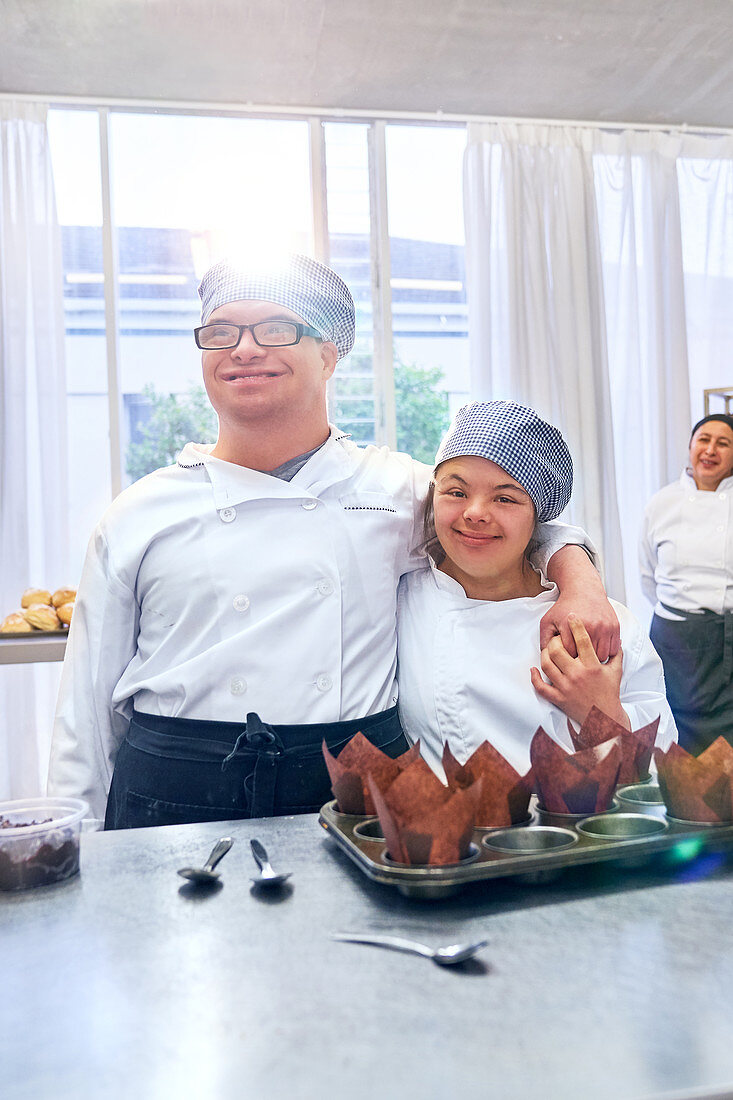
{"x": 289, "y": 469}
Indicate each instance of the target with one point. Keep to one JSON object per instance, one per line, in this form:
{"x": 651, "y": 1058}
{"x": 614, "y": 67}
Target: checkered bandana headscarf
{"x": 302, "y": 285}
{"x": 513, "y": 436}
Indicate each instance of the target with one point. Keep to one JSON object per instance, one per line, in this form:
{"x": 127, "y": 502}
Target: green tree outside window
{"x": 175, "y": 419}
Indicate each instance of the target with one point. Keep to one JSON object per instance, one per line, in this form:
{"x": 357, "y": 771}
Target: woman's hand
{"x": 578, "y": 683}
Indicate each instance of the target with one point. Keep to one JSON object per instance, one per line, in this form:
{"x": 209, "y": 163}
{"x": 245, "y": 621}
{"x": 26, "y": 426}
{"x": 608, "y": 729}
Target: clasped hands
{"x": 577, "y": 679}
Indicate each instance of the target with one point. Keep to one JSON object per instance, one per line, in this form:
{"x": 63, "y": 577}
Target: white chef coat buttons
{"x": 308, "y": 505}
{"x": 722, "y": 496}
{"x": 325, "y": 588}
{"x": 240, "y": 603}
{"x": 238, "y": 686}
{"x": 324, "y": 683}
{"x": 721, "y": 528}
{"x": 227, "y": 514}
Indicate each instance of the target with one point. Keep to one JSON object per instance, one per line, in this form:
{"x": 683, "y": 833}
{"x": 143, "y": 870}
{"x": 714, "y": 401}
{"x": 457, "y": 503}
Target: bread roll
{"x": 65, "y": 611}
{"x": 62, "y": 596}
{"x": 35, "y": 595}
{"x": 42, "y": 617}
{"x": 14, "y": 624}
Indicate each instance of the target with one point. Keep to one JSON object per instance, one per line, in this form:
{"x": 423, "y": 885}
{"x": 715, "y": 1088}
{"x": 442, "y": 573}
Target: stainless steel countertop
{"x": 121, "y": 984}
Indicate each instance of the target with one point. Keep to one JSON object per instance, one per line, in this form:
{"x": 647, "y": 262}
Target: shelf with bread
{"x": 37, "y": 631}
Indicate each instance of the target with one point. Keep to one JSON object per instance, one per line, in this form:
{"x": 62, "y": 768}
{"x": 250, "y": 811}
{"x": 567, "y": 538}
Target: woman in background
{"x": 687, "y": 573}
{"x": 468, "y": 623}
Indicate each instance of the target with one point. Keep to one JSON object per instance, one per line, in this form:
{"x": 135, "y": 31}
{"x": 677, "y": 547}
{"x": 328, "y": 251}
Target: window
{"x": 74, "y": 137}
{"x": 427, "y": 280}
{"x": 187, "y": 188}
{"x": 353, "y": 398}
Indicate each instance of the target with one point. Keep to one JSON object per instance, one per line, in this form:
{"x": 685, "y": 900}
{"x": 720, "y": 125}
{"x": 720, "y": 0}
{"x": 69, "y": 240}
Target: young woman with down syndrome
{"x": 468, "y": 649}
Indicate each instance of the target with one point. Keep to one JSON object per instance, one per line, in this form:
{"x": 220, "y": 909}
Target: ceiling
{"x": 647, "y": 61}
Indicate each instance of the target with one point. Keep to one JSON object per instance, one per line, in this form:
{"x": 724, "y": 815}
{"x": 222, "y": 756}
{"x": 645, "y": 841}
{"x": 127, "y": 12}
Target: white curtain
{"x": 599, "y": 270}
{"x": 705, "y": 176}
{"x": 33, "y": 467}
{"x": 639, "y": 220}
{"x": 535, "y": 301}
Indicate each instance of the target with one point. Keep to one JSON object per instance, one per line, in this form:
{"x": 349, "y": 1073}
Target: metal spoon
{"x": 207, "y": 873}
{"x": 266, "y": 877}
{"x": 443, "y": 956}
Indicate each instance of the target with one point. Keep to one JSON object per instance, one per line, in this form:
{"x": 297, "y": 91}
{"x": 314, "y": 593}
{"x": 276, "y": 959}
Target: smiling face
{"x": 711, "y": 454}
{"x": 484, "y": 521}
{"x": 249, "y": 383}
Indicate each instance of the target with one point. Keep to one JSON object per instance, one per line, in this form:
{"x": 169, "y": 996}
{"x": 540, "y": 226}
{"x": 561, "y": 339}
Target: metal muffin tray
{"x": 532, "y": 852}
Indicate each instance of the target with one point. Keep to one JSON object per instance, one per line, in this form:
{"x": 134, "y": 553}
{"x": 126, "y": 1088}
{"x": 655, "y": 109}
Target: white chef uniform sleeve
{"x": 102, "y": 641}
{"x": 643, "y": 692}
{"x": 552, "y": 536}
{"x": 647, "y": 562}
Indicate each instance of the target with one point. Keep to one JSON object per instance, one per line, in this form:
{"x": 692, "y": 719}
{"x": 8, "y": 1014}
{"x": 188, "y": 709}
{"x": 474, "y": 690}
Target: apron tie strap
{"x": 696, "y": 614}
{"x": 699, "y": 613}
{"x": 728, "y": 647}
{"x": 260, "y": 739}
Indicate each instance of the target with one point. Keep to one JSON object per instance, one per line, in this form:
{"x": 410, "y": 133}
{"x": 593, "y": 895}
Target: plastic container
{"x": 39, "y": 841}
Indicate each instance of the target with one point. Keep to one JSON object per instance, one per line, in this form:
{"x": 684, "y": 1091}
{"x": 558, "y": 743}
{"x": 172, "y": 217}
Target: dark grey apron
{"x": 170, "y": 771}
{"x": 697, "y": 654}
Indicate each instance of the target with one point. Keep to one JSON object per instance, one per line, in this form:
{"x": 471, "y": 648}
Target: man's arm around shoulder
{"x": 567, "y": 556}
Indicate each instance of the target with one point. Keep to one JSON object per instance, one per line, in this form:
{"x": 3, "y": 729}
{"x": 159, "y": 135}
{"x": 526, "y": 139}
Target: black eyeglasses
{"x": 267, "y": 334}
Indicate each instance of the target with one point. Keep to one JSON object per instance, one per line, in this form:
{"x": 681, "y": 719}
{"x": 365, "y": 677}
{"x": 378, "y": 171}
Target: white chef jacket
{"x": 686, "y": 553}
{"x": 464, "y": 668}
{"x": 211, "y": 590}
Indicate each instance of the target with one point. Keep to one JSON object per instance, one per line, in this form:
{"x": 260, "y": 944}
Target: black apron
{"x": 170, "y": 771}
{"x": 697, "y": 654}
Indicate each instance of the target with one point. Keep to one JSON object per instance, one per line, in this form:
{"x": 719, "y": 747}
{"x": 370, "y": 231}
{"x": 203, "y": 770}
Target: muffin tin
{"x": 532, "y": 852}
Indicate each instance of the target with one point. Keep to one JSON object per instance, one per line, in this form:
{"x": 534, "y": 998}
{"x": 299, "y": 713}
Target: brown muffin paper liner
{"x": 580, "y": 782}
{"x": 423, "y": 821}
{"x": 636, "y": 745}
{"x": 505, "y": 794}
{"x": 349, "y": 771}
{"x": 697, "y": 788}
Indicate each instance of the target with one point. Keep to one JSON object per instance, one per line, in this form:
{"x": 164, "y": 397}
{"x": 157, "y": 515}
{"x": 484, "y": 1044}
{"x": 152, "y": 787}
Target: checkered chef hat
{"x": 314, "y": 292}
{"x": 513, "y": 436}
